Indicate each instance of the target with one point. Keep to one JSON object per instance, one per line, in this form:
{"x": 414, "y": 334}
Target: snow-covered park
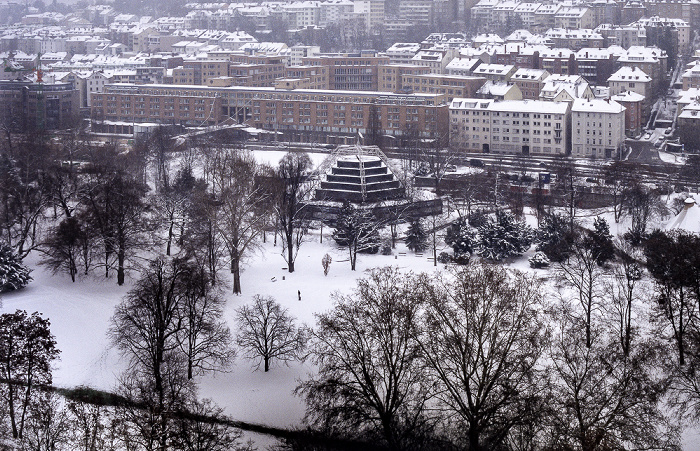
{"x": 80, "y": 314}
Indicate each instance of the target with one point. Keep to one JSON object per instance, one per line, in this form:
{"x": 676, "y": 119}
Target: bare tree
{"x": 292, "y": 175}
{"x": 483, "y": 338}
{"x": 584, "y": 276}
{"x": 641, "y": 204}
{"x": 267, "y": 332}
{"x": 204, "y": 338}
{"x": 603, "y": 398}
{"x": 629, "y": 291}
{"x": 371, "y": 381}
{"x": 239, "y": 216}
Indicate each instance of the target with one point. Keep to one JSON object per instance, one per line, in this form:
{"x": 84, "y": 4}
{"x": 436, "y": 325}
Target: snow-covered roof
{"x": 597, "y": 106}
{"x": 529, "y": 74}
{"x": 626, "y": 73}
{"x": 628, "y": 96}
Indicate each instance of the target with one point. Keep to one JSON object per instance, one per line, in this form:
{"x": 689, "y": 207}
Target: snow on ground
{"x": 80, "y": 314}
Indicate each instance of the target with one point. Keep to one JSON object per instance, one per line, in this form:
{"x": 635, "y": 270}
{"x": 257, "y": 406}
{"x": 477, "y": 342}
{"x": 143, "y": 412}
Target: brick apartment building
{"x": 303, "y": 115}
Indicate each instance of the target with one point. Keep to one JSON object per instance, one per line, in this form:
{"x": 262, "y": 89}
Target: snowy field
{"x": 80, "y": 316}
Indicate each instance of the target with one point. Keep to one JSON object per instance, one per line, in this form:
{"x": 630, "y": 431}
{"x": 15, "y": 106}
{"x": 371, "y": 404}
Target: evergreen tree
{"x": 503, "y": 236}
{"x": 13, "y": 274}
{"x": 416, "y": 236}
{"x": 461, "y": 237}
{"x": 555, "y": 238}
{"x": 600, "y": 242}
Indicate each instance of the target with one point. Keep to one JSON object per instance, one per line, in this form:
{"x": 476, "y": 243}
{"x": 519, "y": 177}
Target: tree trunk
{"x": 473, "y": 436}
{"x": 236, "y": 271}
{"x": 267, "y": 363}
{"x": 120, "y": 267}
{"x": 170, "y": 238}
{"x": 290, "y": 252}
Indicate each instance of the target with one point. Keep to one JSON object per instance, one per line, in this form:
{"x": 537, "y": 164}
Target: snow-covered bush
{"x": 386, "y": 247}
{"x": 462, "y": 238}
{"x": 444, "y": 258}
{"x": 539, "y": 260}
{"x": 13, "y": 274}
{"x": 503, "y": 236}
{"x": 555, "y": 238}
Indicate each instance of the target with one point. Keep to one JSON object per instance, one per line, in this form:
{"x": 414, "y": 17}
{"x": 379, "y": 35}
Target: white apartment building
{"x": 335, "y": 11}
{"x": 630, "y": 79}
{"x": 402, "y": 52}
{"x": 510, "y": 127}
{"x": 597, "y": 128}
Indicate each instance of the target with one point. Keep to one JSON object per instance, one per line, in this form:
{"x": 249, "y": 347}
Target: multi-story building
{"x": 635, "y": 80}
{"x": 317, "y": 76}
{"x": 416, "y": 12}
{"x": 28, "y": 106}
{"x": 526, "y": 12}
{"x": 450, "y": 85}
{"x": 688, "y": 125}
{"x": 574, "y": 39}
{"x": 657, "y": 32}
{"x": 512, "y": 127}
{"x": 651, "y": 60}
{"x": 596, "y": 64}
{"x": 435, "y": 58}
{"x": 350, "y": 71}
{"x": 625, "y": 36}
{"x": 574, "y": 17}
{"x": 391, "y": 75}
{"x": 402, "y": 52}
{"x": 198, "y": 71}
{"x": 691, "y": 76}
{"x": 597, "y": 128}
{"x": 545, "y": 16}
{"x": 530, "y": 82}
{"x": 304, "y": 115}
{"x": 495, "y": 72}
{"x": 558, "y": 61}
{"x": 633, "y": 104}
{"x": 462, "y": 66}
{"x": 565, "y": 88}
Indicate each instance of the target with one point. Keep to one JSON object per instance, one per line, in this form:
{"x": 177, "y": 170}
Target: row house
{"x": 335, "y": 117}
{"x": 525, "y": 127}
{"x": 597, "y": 128}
